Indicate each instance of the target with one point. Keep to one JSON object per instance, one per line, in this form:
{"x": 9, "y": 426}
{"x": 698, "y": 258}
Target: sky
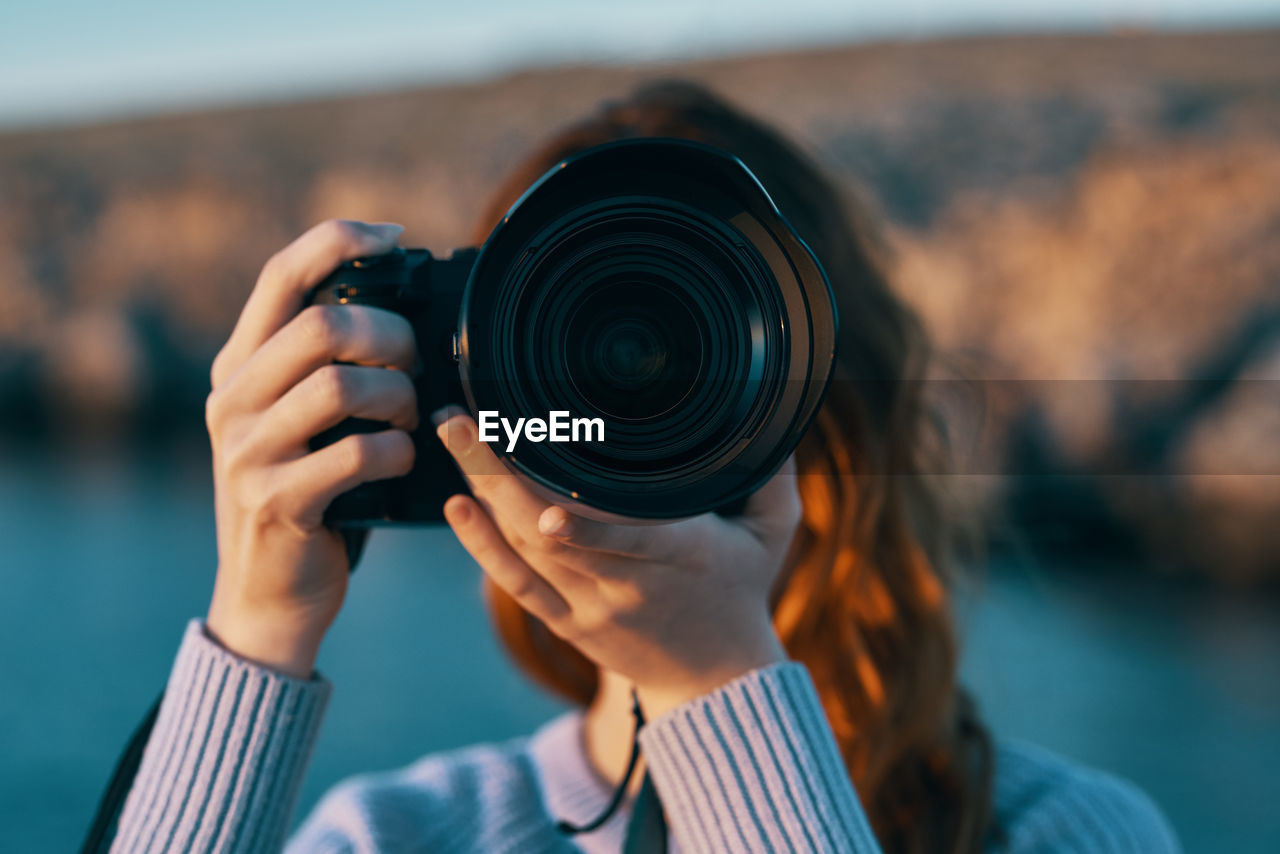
{"x": 85, "y": 60}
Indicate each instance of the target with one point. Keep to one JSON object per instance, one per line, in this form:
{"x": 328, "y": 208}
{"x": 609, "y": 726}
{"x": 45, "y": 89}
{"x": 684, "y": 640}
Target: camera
{"x": 647, "y": 286}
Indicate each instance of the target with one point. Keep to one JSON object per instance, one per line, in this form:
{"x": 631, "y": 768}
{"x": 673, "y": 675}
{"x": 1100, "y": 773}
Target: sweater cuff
{"x": 225, "y": 761}
{"x": 753, "y": 766}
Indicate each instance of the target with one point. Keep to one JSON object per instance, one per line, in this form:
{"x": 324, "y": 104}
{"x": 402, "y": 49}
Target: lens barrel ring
{"x": 689, "y": 245}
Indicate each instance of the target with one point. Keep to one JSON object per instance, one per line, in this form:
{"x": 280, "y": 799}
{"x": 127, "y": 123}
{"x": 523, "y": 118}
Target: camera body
{"x": 648, "y": 284}
{"x": 427, "y": 291}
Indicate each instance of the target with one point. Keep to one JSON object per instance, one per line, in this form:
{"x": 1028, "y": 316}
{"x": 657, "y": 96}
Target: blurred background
{"x": 1081, "y": 197}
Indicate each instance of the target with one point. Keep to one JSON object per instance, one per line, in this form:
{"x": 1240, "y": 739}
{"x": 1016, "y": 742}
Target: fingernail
{"x": 385, "y": 229}
{"x": 444, "y": 413}
{"x": 554, "y": 521}
{"x": 456, "y": 434}
{"x": 382, "y": 232}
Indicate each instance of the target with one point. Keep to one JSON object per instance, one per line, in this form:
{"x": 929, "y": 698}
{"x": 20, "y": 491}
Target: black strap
{"x": 570, "y": 829}
{"x": 647, "y": 829}
{"x": 103, "y": 829}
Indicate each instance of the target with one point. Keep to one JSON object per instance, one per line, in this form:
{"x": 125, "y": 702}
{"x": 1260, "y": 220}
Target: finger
{"x": 289, "y": 275}
{"x": 515, "y": 507}
{"x": 659, "y": 543}
{"x": 332, "y": 393}
{"x": 321, "y": 335}
{"x": 773, "y": 511}
{"x": 485, "y": 543}
{"x": 321, "y": 476}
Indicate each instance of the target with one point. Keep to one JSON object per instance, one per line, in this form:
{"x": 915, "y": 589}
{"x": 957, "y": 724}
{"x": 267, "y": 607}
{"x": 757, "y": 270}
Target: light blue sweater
{"x": 752, "y": 766}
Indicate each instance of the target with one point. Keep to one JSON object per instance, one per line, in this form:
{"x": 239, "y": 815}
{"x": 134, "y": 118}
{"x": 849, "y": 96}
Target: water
{"x": 105, "y": 560}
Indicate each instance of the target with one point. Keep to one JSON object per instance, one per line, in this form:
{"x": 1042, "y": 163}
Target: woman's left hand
{"x": 678, "y": 608}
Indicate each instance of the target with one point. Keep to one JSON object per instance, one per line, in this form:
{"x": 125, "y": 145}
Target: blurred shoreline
{"x": 1089, "y": 209}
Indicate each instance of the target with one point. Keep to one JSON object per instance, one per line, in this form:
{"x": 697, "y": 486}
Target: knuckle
{"x": 399, "y": 327}
{"x": 323, "y": 326}
{"x": 514, "y": 537}
{"x": 267, "y": 499}
{"x": 333, "y": 386}
{"x": 272, "y": 500}
{"x": 593, "y": 622}
{"x": 402, "y": 452}
{"x": 354, "y": 453}
{"x": 237, "y": 461}
{"x": 274, "y": 270}
{"x": 568, "y": 629}
{"x": 403, "y": 388}
{"x": 623, "y": 599}
{"x": 523, "y": 587}
{"x": 281, "y": 506}
{"x": 218, "y": 370}
{"x": 551, "y": 547}
{"x": 247, "y": 488}
{"x": 214, "y": 409}
{"x": 632, "y": 602}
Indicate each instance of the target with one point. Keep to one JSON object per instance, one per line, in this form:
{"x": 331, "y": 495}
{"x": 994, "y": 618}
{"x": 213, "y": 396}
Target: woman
{"x": 814, "y": 708}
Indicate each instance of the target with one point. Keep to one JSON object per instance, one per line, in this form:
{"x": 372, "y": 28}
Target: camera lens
{"x": 650, "y": 323}
{"x": 633, "y": 348}
{"x": 622, "y": 324}
{"x": 632, "y": 352}
{"x": 650, "y": 284}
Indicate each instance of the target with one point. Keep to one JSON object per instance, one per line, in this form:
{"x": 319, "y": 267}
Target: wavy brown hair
{"x": 861, "y": 601}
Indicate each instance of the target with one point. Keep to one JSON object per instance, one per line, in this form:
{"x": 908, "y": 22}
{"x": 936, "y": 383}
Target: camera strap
{"x": 647, "y": 829}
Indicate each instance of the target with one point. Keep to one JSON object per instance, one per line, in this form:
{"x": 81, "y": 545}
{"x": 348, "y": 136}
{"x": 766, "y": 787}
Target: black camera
{"x": 648, "y": 288}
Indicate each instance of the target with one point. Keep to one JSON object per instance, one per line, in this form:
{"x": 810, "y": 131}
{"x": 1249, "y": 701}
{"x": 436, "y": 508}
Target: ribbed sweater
{"x": 752, "y": 766}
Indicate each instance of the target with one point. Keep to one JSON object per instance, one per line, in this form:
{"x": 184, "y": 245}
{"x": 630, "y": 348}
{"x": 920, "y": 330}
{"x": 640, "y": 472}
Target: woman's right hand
{"x": 282, "y": 575}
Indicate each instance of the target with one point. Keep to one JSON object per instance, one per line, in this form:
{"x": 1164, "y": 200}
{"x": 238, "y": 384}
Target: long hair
{"x": 861, "y": 602}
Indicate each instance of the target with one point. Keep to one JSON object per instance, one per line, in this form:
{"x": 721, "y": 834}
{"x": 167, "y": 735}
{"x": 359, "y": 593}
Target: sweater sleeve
{"x": 753, "y": 766}
{"x": 223, "y": 766}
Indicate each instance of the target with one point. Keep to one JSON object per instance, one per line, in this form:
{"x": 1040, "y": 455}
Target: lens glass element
{"x": 634, "y": 349}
